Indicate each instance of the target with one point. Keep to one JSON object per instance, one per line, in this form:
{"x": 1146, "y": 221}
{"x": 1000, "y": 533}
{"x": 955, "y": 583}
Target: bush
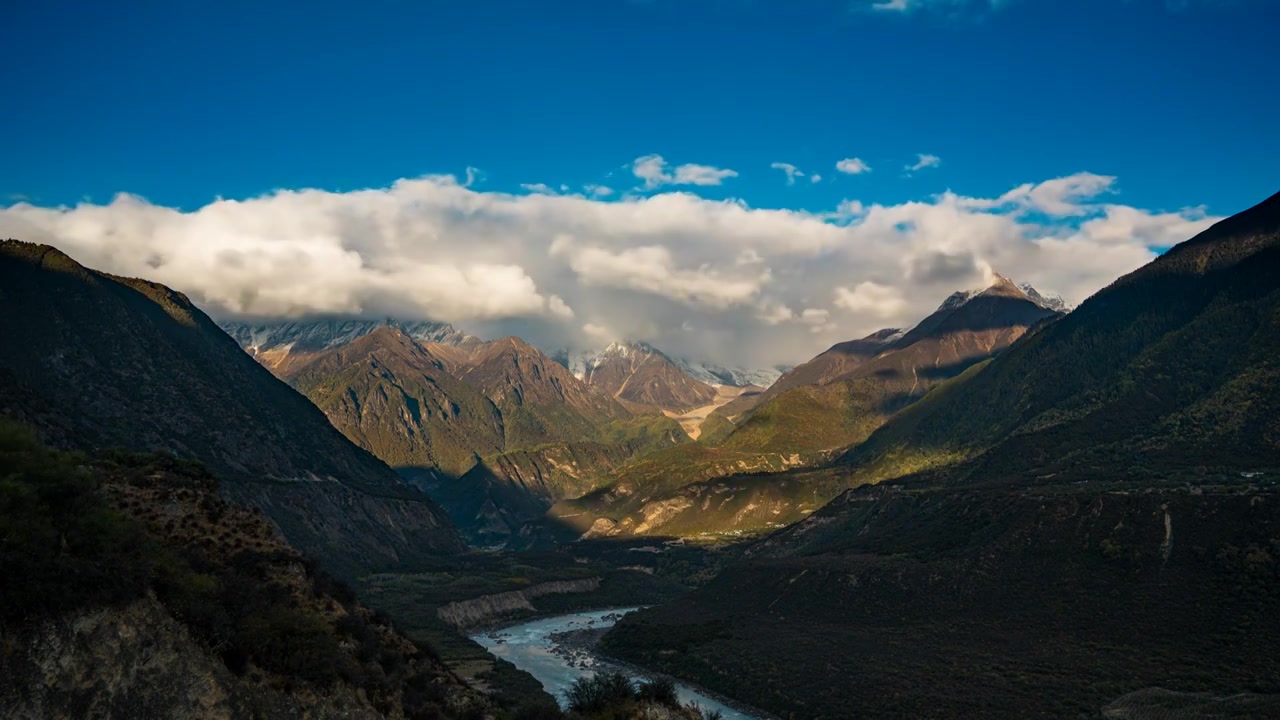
{"x": 596, "y": 693}
{"x": 661, "y": 691}
{"x": 62, "y": 549}
{"x": 707, "y": 714}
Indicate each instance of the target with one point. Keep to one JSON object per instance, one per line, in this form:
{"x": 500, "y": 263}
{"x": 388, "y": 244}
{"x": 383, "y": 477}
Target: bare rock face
{"x": 487, "y": 608}
{"x": 137, "y": 661}
{"x": 642, "y": 375}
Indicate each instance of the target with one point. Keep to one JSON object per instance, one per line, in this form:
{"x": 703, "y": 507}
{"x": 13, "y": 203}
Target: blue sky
{"x": 442, "y": 159}
{"x": 183, "y": 101}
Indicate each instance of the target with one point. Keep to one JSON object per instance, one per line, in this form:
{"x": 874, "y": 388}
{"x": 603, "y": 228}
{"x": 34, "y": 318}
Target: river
{"x": 531, "y": 647}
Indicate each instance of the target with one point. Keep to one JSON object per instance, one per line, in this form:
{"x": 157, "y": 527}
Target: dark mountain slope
{"x": 858, "y": 385}
{"x": 114, "y": 362}
{"x": 392, "y": 397}
{"x": 132, "y": 590}
{"x": 987, "y": 603}
{"x": 1173, "y": 364}
{"x": 1099, "y": 514}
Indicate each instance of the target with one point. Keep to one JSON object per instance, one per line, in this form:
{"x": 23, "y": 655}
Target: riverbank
{"x": 559, "y": 650}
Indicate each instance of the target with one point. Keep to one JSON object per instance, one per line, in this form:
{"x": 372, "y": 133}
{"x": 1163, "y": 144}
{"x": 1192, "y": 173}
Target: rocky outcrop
{"x": 137, "y": 661}
{"x": 487, "y": 608}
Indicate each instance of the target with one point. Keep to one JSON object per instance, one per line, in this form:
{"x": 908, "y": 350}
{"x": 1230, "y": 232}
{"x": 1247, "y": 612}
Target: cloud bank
{"x": 713, "y": 280}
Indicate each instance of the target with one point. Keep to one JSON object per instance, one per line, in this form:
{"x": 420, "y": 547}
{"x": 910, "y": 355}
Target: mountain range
{"x": 821, "y": 407}
{"x": 1091, "y": 512}
{"x": 499, "y": 432}
{"x": 1011, "y": 509}
{"x": 640, "y": 376}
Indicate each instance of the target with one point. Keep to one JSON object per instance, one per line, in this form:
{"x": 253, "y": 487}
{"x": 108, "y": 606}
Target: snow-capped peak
{"x": 1004, "y": 286}
{"x": 1048, "y": 301}
{"x": 713, "y": 374}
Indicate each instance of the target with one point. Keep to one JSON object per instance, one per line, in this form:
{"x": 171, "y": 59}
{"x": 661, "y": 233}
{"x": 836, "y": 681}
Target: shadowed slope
{"x": 392, "y": 397}
{"x": 1114, "y": 529}
{"x": 1175, "y": 362}
{"x": 116, "y": 362}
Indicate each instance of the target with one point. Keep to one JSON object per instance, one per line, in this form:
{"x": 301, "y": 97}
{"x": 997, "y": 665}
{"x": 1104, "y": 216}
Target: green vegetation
{"x": 83, "y": 534}
{"x": 986, "y": 603}
{"x": 814, "y": 418}
{"x": 62, "y": 549}
{"x": 644, "y": 433}
{"x": 612, "y": 696}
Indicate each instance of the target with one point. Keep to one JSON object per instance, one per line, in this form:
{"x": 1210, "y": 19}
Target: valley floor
{"x": 692, "y": 420}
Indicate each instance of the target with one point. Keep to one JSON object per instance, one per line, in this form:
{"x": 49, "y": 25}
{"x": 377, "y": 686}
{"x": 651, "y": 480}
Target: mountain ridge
{"x": 1052, "y": 521}
{"x": 117, "y": 362}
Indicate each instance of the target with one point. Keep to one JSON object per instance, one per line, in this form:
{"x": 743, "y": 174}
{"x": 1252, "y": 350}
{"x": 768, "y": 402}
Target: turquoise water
{"x": 529, "y": 647}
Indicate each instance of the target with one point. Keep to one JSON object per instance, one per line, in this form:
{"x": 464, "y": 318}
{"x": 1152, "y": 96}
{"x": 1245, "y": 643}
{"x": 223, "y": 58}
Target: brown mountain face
{"x": 493, "y": 431}
{"x": 644, "y": 377}
{"x": 539, "y": 399}
{"x": 855, "y": 386}
{"x": 842, "y": 359}
{"x": 287, "y": 346}
{"x": 115, "y": 362}
{"x": 393, "y": 397}
{"x": 689, "y": 490}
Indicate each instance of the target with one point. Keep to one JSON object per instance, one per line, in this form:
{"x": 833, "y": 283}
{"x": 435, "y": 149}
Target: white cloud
{"x": 1059, "y": 197}
{"x": 853, "y": 166}
{"x": 893, "y": 5}
{"x": 598, "y": 333}
{"x": 1121, "y": 225}
{"x": 548, "y": 266}
{"x": 818, "y": 320}
{"x": 541, "y": 188}
{"x": 923, "y": 161}
{"x": 559, "y": 307}
{"x": 871, "y": 298}
{"x": 653, "y": 170}
{"x": 652, "y": 269}
{"x": 791, "y": 171}
{"x": 599, "y": 191}
{"x": 771, "y": 314}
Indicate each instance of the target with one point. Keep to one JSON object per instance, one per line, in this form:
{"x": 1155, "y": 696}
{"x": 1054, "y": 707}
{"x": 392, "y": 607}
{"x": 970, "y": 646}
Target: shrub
{"x": 593, "y": 694}
{"x": 62, "y": 549}
{"x": 661, "y": 691}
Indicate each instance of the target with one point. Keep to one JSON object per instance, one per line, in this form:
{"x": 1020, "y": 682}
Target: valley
{"x": 640, "y": 360}
{"x": 691, "y": 420}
